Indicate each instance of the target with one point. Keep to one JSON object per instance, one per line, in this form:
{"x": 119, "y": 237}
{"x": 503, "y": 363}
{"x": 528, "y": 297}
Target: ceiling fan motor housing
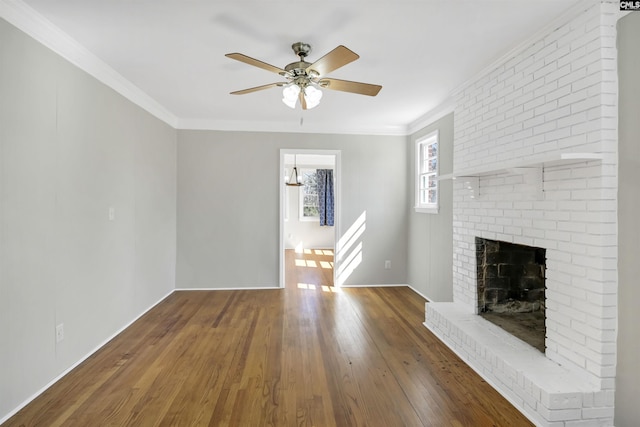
{"x": 297, "y": 68}
{"x": 301, "y": 49}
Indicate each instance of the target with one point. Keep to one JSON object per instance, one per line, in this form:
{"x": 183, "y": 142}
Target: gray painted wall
{"x": 628, "y": 372}
{"x": 430, "y": 236}
{"x": 70, "y": 148}
{"x": 228, "y": 205}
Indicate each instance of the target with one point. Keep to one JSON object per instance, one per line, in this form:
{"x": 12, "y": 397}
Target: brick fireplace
{"x": 535, "y": 163}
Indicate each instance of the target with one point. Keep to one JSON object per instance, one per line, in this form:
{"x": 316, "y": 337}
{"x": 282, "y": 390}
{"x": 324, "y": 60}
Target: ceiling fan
{"x": 304, "y": 80}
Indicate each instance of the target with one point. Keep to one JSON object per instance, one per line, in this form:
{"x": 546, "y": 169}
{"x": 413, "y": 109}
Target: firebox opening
{"x": 511, "y": 288}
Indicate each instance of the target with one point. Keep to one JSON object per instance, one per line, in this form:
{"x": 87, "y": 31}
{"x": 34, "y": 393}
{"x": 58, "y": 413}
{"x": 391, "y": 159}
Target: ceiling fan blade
{"x": 333, "y": 60}
{"x": 257, "y": 88}
{"x": 256, "y": 63}
{"x": 353, "y": 87}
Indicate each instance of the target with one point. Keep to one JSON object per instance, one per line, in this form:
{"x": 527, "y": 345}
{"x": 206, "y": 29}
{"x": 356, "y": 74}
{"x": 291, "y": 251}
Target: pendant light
{"x": 294, "y": 179}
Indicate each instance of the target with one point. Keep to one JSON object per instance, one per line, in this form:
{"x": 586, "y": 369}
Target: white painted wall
{"x": 71, "y": 148}
{"x": 228, "y": 230}
{"x": 628, "y": 372}
{"x": 430, "y": 236}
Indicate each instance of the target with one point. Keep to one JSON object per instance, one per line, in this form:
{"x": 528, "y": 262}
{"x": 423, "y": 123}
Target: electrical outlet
{"x": 387, "y": 265}
{"x": 60, "y": 332}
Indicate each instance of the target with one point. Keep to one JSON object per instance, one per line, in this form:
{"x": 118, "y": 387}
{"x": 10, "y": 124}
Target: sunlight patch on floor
{"x": 323, "y": 288}
{"x": 311, "y": 263}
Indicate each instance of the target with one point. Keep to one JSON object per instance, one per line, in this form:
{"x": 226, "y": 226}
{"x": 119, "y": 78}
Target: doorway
{"x": 302, "y": 238}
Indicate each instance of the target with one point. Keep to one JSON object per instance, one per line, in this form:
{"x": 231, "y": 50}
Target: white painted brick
{"x": 514, "y": 110}
{"x": 584, "y": 127}
{"x": 587, "y": 59}
{"x": 572, "y": 226}
{"x": 574, "y": 141}
{"x": 560, "y": 414}
{"x": 587, "y": 81}
{"x": 535, "y": 120}
{"x": 571, "y": 356}
{"x": 560, "y": 72}
{"x": 539, "y": 87}
{"x": 606, "y": 412}
{"x": 585, "y": 104}
{"x": 588, "y": 423}
{"x": 556, "y": 94}
{"x": 534, "y": 102}
{"x": 577, "y": 116}
{"x": 561, "y": 91}
{"x": 573, "y": 77}
{"x": 572, "y": 97}
{"x": 562, "y": 400}
{"x": 523, "y": 99}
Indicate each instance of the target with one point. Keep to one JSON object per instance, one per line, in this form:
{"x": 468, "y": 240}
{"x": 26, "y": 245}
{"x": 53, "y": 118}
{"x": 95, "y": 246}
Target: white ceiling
{"x": 419, "y": 51}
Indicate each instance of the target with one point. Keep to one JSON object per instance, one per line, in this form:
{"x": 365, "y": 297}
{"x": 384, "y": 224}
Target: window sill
{"x": 430, "y": 210}
{"x": 309, "y": 219}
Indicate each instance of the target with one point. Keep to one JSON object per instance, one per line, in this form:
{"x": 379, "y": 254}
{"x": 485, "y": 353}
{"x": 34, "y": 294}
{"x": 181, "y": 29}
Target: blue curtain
{"x": 325, "y": 196}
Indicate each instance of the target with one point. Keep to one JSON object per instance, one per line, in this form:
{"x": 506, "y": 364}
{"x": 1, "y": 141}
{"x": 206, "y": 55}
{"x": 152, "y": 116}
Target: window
{"x": 309, "y": 208}
{"x": 427, "y": 174}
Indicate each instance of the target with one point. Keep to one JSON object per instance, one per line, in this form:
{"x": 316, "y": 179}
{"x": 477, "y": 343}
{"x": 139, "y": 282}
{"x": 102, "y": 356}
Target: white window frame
{"x": 421, "y": 158}
{"x": 301, "y": 216}
{"x": 285, "y": 209}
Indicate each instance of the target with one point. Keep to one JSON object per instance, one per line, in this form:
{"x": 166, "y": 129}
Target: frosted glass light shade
{"x": 312, "y": 95}
{"x": 290, "y": 95}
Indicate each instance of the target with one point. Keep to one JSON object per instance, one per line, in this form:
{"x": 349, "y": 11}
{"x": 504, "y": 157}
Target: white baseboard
{"x": 231, "y": 288}
{"x": 373, "y": 285}
{"x": 390, "y": 285}
{"x": 72, "y": 367}
{"x": 420, "y": 293}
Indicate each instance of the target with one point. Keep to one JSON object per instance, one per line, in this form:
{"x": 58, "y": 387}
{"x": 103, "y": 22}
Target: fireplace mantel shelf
{"x": 520, "y": 166}
{"x": 530, "y": 168}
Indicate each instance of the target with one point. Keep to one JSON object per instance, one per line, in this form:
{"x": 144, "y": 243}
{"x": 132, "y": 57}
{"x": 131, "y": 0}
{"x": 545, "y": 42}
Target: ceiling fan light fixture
{"x": 312, "y": 95}
{"x": 290, "y": 95}
{"x": 306, "y": 80}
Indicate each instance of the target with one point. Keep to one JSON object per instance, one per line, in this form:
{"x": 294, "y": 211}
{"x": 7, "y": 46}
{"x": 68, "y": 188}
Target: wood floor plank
{"x": 307, "y": 355}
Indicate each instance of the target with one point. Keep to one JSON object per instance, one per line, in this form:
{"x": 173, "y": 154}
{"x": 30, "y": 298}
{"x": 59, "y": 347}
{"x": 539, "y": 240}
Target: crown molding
{"x": 27, "y": 20}
{"x": 286, "y": 127}
{"x": 446, "y": 107}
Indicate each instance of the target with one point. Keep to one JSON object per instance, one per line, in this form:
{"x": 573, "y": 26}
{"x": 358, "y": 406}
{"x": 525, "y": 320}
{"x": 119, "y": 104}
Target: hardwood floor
{"x": 307, "y": 355}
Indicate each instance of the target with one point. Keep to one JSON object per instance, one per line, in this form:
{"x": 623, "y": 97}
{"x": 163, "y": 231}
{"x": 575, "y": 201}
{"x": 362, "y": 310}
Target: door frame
{"x": 337, "y": 184}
